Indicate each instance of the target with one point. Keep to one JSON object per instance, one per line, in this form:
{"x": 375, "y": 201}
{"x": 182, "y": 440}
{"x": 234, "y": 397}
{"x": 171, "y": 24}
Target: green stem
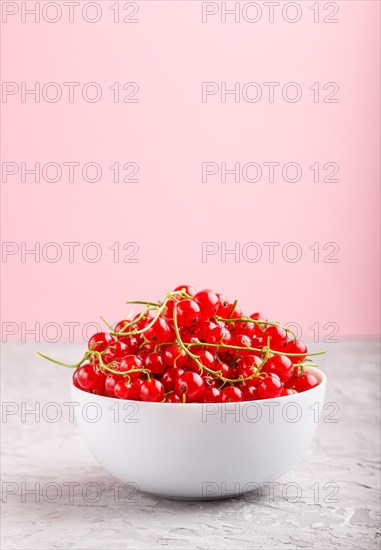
{"x": 233, "y": 308}
{"x": 141, "y": 302}
{"x": 108, "y": 325}
{"x": 260, "y": 350}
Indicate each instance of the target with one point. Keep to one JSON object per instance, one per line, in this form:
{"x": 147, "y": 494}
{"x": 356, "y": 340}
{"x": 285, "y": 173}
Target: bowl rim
{"x": 309, "y": 370}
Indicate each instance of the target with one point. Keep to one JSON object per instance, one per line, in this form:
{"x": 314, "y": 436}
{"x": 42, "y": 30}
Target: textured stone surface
{"x": 338, "y": 481}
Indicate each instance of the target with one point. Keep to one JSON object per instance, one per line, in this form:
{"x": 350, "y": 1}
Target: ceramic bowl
{"x": 199, "y": 451}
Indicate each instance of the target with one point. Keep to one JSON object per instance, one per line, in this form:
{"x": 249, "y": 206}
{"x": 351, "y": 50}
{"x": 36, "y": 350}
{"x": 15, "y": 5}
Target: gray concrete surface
{"x": 331, "y": 500}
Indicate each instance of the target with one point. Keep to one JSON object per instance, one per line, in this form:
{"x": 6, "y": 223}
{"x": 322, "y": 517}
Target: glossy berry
{"x": 155, "y": 363}
{"x": 248, "y": 365}
{"x": 169, "y": 377}
{"x": 287, "y": 391}
{"x": 76, "y": 379}
{"x": 242, "y": 341}
{"x": 277, "y": 336}
{"x": 100, "y": 341}
{"x": 159, "y": 332}
{"x": 172, "y": 398}
{"x": 293, "y": 346}
{"x": 115, "y": 352}
{"x": 231, "y": 394}
{"x": 206, "y": 359}
{"x": 152, "y": 390}
{"x": 188, "y": 313}
{"x": 250, "y": 393}
{"x": 258, "y": 316}
{"x": 186, "y": 288}
{"x": 132, "y": 342}
{"x": 131, "y": 363}
{"x": 211, "y": 382}
{"x": 110, "y": 386}
{"x": 208, "y": 302}
{"x": 168, "y": 313}
{"x": 175, "y": 356}
{"x": 212, "y": 395}
{"x": 281, "y": 366}
{"x": 270, "y": 387}
{"x": 90, "y": 377}
{"x": 123, "y": 390}
{"x": 122, "y": 326}
{"x": 305, "y": 382}
{"x": 190, "y": 386}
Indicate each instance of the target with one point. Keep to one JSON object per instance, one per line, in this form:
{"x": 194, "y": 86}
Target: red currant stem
{"x": 127, "y": 324}
{"x": 64, "y": 364}
{"x": 107, "y": 368}
{"x": 254, "y": 349}
{"x": 233, "y": 308}
{"x": 108, "y": 325}
{"x": 291, "y": 332}
{"x": 159, "y": 311}
{"x": 184, "y": 398}
{"x": 247, "y": 320}
{"x": 143, "y": 302}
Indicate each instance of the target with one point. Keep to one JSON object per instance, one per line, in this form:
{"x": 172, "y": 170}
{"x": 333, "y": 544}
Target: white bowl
{"x": 199, "y": 451}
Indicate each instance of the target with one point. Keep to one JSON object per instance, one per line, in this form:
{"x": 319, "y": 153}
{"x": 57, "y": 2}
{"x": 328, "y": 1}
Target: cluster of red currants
{"x": 194, "y": 347}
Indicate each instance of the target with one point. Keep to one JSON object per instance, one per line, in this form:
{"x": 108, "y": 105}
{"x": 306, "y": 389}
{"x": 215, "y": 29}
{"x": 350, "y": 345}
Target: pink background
{"x": 169, "y": 133}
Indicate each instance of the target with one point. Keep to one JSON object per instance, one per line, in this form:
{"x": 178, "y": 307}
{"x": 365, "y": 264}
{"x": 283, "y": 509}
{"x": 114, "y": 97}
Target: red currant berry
{"x": 270, "y": 387}
{"x": 225, "y": 370}
{"x": 155, "y": 363}
{"x": 277, "y": 336}
{"x": 189, "y": 385}
{"x": 186, "y": 288}
{"x": 131, "y": 363}
{"x": 242, "y": 341}
{"x": 222, "y": 310}
{"x": 115, "y": 352}
{"x": 188, "y": 313}
{"x": 76, "y": 379}
{"x": 159, "y": 332}
{"x": 132, "y": 342}
{"x": 211, "y": 382}
{"x": 231, "y": 394}
{"x": 169, "y": 377}
{"x": 305, "y": 382}
{"x": 145, "y": 350}
{"x": 212, "y": 395}
{"x": 152, "y": 390}
{"x": 258, "y": 316}
{"x": 208, "y": 302}
{"x": 293, "y": 346}
{"x": 172, "y": 398}
{"x": 100, "y": 341}
{"x": 168, "y": 313}
{"x": 287, "y": 391}
{"x": 248, "y": 365}
{"x": 175, "y": 356}
{"x": 206, "y": 359}
{"x": 122, "y": 326}
{"x": 110, "y": 386}
{"x": 280, "y": 365}
{"x": 90, "y": 378}
{"x": 250, "y": 393}
{"x": 124, "y": 390}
